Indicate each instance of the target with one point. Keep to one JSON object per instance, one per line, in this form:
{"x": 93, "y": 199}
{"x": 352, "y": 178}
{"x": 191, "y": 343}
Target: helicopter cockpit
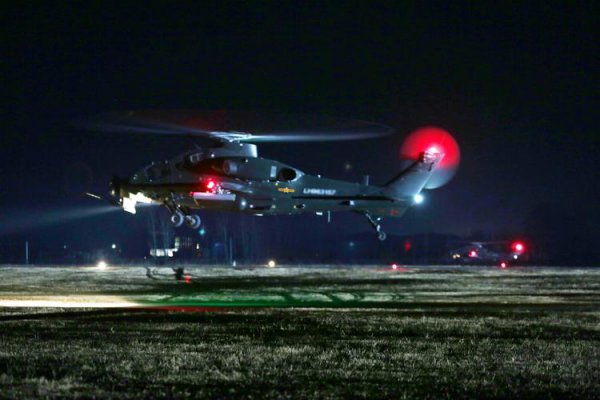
{"x": 153, "y": 172}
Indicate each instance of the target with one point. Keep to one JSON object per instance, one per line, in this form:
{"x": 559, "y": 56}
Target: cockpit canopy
{"x": 226, "y": 161}
{"x": 153, "y": 172}
{"x": 158, "y": 171}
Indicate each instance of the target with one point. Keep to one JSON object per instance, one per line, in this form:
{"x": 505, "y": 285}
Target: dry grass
{"x": 462, "y": 349}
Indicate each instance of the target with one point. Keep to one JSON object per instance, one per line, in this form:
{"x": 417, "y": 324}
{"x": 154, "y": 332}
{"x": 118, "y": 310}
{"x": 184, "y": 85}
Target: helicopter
{"x": 490, "y": 252}
{"x": 228, "y": 174}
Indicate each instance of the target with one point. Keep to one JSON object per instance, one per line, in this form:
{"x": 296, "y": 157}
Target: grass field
{"x": 315, "y": 332}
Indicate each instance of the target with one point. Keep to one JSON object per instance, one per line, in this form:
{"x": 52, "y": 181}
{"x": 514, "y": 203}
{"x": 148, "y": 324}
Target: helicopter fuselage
{"x": 218, "y": 180}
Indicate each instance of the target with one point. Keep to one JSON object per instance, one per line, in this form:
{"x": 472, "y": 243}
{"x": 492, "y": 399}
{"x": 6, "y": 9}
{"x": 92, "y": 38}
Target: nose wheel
{"x": 381, "y": 236}
{"x": 193, "y": 221}
{"x": 177, "y": 218}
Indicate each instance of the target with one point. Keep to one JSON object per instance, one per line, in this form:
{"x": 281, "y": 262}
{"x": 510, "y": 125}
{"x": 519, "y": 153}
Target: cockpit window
{"x": 158, "y": 171}
{"x": 286, "y": 174}
{"x": 195, "y": 158}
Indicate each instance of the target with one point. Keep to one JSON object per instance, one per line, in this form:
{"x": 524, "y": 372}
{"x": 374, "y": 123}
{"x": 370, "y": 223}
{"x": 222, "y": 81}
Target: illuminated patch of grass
{"x": 430, "y": 333}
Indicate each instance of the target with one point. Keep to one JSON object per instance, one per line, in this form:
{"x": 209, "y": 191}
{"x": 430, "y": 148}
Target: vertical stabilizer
{"x": 413, "y": 179}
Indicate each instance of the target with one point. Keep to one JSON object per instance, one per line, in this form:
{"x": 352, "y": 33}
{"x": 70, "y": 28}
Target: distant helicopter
{"x": 229, "y": 175}
{"x": 491, "y": 252}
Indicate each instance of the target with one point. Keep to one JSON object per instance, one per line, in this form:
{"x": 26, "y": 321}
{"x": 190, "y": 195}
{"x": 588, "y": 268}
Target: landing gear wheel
{"x": 375, "y": 225}
{"x": 193, "y": 221}
{"x": 177, "y": 219}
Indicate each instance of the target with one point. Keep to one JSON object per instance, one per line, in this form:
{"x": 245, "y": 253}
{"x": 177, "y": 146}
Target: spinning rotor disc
{"x": 436, "y": 140}
{"x": 236, "y": 125}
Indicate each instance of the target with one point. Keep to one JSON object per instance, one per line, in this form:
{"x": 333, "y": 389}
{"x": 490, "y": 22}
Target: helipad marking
{"x": 64, "y": 304}
{"x": 68, "y": 302}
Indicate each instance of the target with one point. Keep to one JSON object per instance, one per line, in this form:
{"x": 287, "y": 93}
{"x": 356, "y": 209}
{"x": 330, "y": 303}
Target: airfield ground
{"x": 314, "y": 332}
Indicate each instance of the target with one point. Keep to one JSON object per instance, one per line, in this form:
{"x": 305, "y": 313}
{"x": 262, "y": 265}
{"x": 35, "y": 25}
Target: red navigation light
{"x": 210, "y": 185}
{"x": 187, "y": 279}
{"x": 394, "y": 266}
{"x": 518, "y": 247}
{"x": 502, "y": 265}
{"x": 433, "y": 140}
{"x": 472, "y": 253}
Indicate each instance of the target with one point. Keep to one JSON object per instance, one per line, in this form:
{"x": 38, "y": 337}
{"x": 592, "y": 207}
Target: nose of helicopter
{"x": 115, "y": 186}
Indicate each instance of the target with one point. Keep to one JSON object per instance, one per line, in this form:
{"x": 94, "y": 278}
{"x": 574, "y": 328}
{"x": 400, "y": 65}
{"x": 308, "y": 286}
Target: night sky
{"x": 517, "y": 85}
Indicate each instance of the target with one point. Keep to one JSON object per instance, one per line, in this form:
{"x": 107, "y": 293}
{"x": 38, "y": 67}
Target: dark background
{"x": 517, "y": 85}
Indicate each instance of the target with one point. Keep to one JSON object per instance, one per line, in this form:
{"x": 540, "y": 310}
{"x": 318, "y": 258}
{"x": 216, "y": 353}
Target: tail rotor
{"x": 433, "y": 140}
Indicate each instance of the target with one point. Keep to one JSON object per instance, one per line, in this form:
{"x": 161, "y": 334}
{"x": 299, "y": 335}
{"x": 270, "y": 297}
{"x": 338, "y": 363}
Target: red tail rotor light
{"x": 433, "y": 141}
{"x": 433, "y": 150}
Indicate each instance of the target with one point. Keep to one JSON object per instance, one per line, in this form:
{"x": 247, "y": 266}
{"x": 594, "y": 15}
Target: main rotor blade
{"x": 236, "y": 125}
